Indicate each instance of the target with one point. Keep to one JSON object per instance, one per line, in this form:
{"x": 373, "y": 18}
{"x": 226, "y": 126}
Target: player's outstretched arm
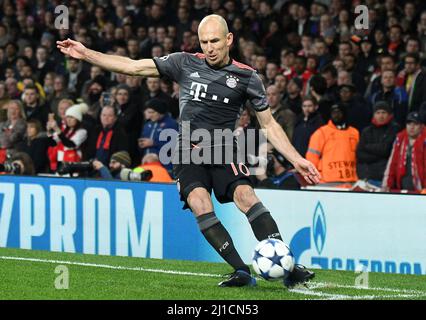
{"x": 75, "y": 49}
{"x": 280, "y": 141}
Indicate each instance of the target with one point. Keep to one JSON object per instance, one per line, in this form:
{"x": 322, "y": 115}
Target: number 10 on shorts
{"x": 241, "y": 167}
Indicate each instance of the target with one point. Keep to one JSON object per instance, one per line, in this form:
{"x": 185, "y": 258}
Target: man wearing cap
{"x": 332, "y": 148}
{"x": 118, "y": 161}
{"x": 406, "y": 168}
{"x": 157, "y": 120}
{"x": 375, "y": 144}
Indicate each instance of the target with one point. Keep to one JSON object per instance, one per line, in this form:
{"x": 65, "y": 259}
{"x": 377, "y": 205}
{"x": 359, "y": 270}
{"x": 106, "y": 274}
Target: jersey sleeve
{"x": 170, "y": 65}
{"x": 256, "y": 93}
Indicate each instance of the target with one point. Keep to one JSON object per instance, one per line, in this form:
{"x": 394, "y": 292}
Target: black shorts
{"x": 222, "y": 179}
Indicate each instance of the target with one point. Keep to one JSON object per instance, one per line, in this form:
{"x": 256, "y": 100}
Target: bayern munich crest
{"x": 231, "y": 81}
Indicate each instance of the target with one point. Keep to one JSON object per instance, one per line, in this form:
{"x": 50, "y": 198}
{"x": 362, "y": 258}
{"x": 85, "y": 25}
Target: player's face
{"x": 215, "y": 43}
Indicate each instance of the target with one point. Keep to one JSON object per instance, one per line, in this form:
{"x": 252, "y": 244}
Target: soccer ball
{"x": 272, "y": 259}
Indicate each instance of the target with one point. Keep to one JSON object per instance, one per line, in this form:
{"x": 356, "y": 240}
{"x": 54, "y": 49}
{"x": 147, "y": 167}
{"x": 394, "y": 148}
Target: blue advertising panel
{"x": 328, "y": 230}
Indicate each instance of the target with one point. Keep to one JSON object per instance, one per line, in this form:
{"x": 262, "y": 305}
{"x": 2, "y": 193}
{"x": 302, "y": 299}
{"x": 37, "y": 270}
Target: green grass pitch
{"x": 29, "y": 274}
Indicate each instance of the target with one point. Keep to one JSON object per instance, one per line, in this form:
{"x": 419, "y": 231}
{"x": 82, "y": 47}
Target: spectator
{"x": 75, "y": 76}
{"x": 157, "y": 120}
{"x": 278, "y": 174}
{"x": 332, "y": 148}
{"x": 154, "y": 91}
{"x": 60, "y": 92}
{"x": 396, "y": 97}
{"x": 12, "y": 88}
{"x": 24, "y": 163}
{"x": 4, "y": 96}
{"x": 375, "y": 144}
{"x": 107, "y": 138}
{"x": 70, "y": 140}
{"x": 118, "y": 161}
{"x": 329, "y": 73}
{"x": 36, "y": 145}
{"x": 43, "y": 65}
{"x": 406, "y": 168}
{"x": 129, "y": 118}
{"x": 306, "y": 124}
{"x": 12, "y": 130}
{"x": 33, "y": 107}
{"x": 387, "y": 63}
{"x": 414, "y": 82}
{"x": 358, "y": 111}
{"x": 152, "y": 162}
{"x": 93, "y": 95}
{"x": 317, "y": 89}
{"x": 293, "y": 101}
{"x": 283, "y": 115}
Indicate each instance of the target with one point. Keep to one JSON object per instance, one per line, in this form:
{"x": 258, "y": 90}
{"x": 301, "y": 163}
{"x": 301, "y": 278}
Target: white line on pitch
{"x": 314, "y": 285}
{"x": 106, "y": 266}
{"x": 321, "y": 285}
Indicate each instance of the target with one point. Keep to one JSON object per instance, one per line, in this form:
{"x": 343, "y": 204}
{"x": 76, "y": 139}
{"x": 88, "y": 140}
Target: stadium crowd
{"x": 352, "y": 101}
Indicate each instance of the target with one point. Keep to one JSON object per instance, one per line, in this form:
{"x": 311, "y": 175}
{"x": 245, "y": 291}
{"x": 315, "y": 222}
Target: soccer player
{"x": 209, "y": 100}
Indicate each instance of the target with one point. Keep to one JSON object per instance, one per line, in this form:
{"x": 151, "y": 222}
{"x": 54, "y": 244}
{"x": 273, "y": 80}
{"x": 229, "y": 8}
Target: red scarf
{"x": 378, "y": 125}
{"x": 107, "y": 141}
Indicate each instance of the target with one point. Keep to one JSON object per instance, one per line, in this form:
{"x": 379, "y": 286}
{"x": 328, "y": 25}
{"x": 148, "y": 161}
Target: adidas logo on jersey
{"x": 194, "y": 75}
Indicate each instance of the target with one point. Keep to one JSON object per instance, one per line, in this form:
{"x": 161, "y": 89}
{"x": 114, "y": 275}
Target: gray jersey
{"x": 212, "y": 98}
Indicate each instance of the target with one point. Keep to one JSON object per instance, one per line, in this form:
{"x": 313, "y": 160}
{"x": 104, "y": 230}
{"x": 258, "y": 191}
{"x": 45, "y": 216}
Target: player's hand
{"x": 71, "y": 48}
{"x": 307, "y": 171}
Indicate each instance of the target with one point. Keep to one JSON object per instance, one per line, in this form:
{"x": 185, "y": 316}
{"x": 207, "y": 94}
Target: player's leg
{"x": 264, "y": 227}
{"x": 261, "y": 221}
{"x": 194, "y": 183}
{"x": 200, "y": 202}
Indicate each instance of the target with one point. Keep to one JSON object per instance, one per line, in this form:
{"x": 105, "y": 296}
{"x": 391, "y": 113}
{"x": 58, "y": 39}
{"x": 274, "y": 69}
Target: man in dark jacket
{"x": 375, "y": 144}
{"x": 396, "y": 97}
{"x": 306, "y": 124}
{"x": 415, "y": 81}
{"x": 32, "y": 106}
{"x": 359, "y": 113}
{"x": 106, "y": 139}
{"x": 157, "y": 120}
{"x": 129, "y": 118}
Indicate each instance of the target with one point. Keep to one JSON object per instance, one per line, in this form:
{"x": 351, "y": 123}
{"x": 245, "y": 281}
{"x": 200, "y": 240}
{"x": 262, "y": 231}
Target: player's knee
{"x": 245, "y": 197}
{"x": 200, "y": 202}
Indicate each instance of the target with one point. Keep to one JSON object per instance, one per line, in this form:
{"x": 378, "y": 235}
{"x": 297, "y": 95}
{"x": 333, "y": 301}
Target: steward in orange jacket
{"x": 332, "y": 148}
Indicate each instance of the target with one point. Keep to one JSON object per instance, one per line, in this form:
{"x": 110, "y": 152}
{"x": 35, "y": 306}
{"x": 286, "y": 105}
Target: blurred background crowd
{"x": 351, "y": 101}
